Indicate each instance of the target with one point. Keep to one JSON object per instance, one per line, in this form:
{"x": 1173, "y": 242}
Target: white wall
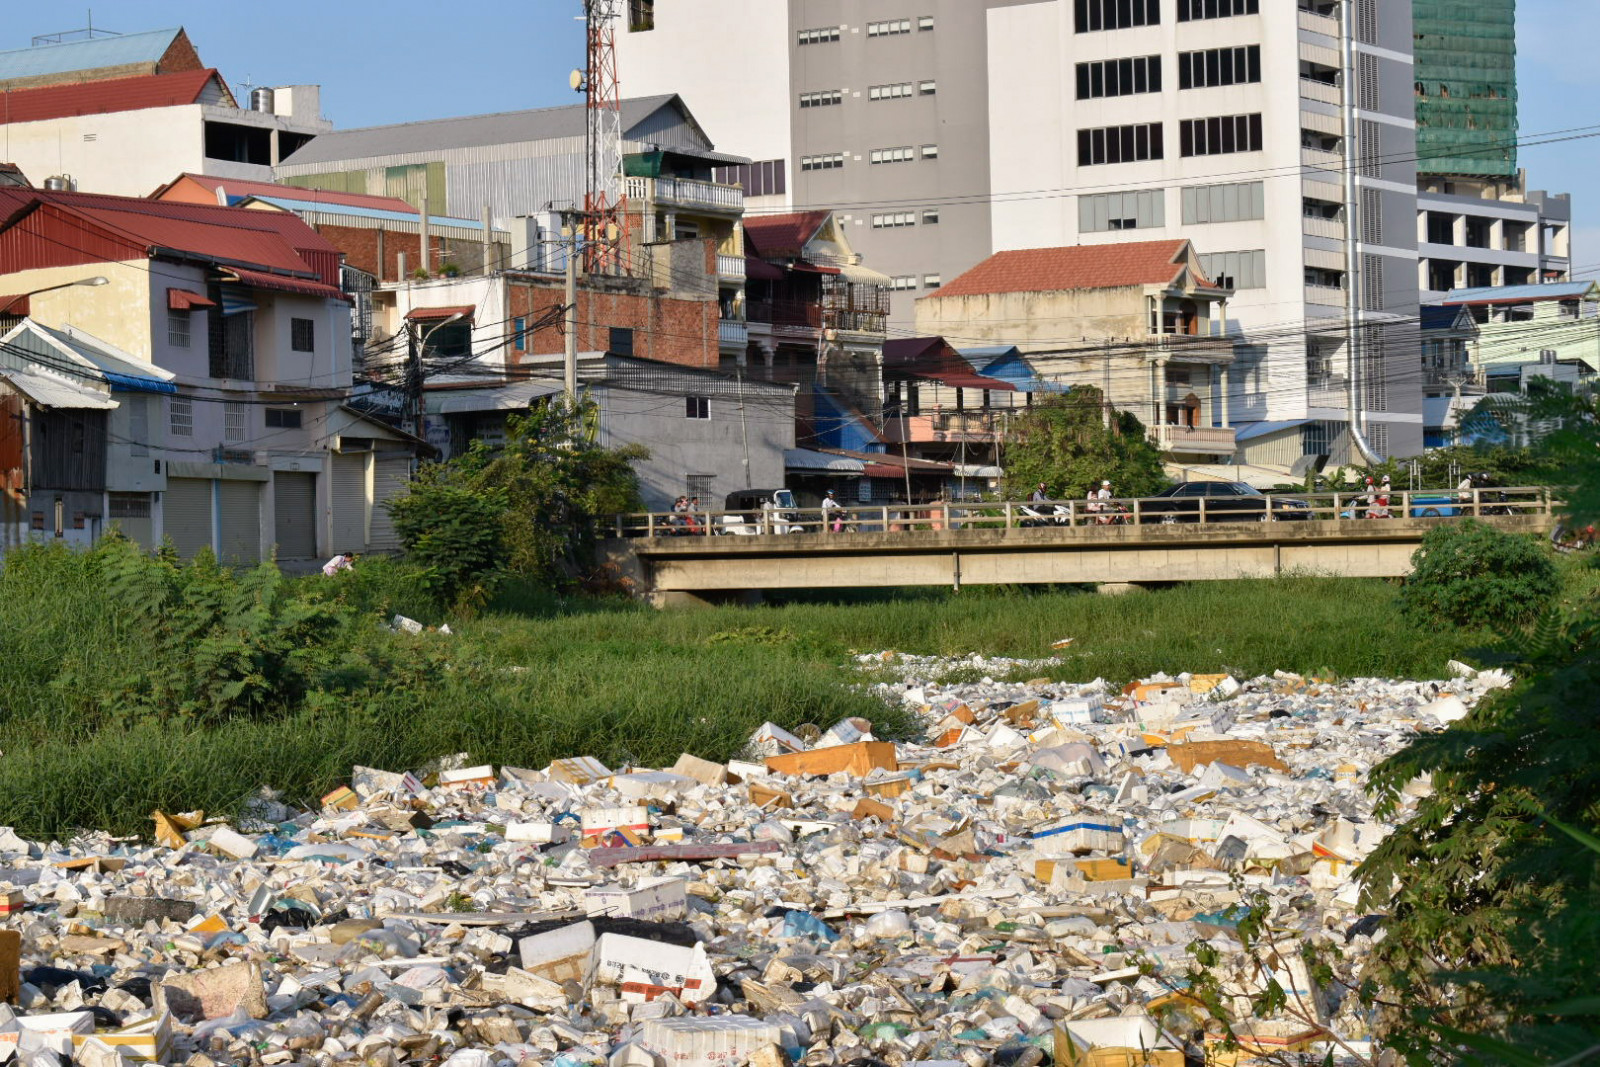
{"x": 131, "y": 153}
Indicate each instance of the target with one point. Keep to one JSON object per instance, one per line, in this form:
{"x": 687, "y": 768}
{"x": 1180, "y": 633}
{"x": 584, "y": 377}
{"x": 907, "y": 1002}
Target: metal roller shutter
{"x": 239, "y": 515}
{"x": 294, "y": 519}
{"x": 391, "y": 475}
{"x": 186, "y": 514}
{"x": 349, "y": 503}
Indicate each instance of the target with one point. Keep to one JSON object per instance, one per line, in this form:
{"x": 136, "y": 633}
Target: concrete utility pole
{"x": 569, "y": 377}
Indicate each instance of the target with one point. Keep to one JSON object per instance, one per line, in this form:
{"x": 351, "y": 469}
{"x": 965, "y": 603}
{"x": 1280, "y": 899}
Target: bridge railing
{"x": 1354, "y": 506}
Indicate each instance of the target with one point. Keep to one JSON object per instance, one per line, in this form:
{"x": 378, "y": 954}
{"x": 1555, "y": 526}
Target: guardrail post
{"x": 1138, "y": 513}
{"x": 649, "y": 524}
{"x": 617, "y": 524}
{"x": 1072, "y": 513}
{"x": 705, "y": 520}
{"x": 1477, "y": 510}
{"x": 1338, "y": 512}
{"x": 946, "y": 509}
{"x": 1008, "y": 514}
{"x": 1202, "y": 519}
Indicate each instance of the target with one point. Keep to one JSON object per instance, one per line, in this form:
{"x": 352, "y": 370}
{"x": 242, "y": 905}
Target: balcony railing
{"x": 686, "y": 193}
{"x": 1321, "y": 159}
{"x": 1316, "y": 89}
{"x": 733, "y": 332}
{"x": 784, "y": 313}
{"x": 1310, "y": 20}
{"x": 1316, "y": 226}
{"x": 1210, "y": 440}
{"x": 730, "y": 268}
{"x": 1325, "y": 295}
{"x": 1327, "y": 393}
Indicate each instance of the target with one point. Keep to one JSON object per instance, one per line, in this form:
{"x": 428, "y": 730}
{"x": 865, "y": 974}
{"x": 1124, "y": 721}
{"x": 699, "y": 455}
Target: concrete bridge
{"x": 688, "y": 570}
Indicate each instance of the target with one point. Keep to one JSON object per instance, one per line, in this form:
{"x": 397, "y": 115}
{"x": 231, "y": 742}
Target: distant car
{"x": 1434, "y": 506}
{"x": 760, "y": 511}
{"x": 1224, "y": 502}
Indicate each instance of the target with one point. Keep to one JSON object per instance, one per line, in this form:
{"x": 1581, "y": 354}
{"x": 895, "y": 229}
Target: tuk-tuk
{"x": 760, "y": 511}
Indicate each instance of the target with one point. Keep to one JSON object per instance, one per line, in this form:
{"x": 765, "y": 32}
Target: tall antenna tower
{"x": 604, "y": 204}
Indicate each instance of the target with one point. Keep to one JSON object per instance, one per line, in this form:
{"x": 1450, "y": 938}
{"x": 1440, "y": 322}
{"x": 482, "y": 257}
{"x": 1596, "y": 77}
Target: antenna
{"x": 604, "y": 203}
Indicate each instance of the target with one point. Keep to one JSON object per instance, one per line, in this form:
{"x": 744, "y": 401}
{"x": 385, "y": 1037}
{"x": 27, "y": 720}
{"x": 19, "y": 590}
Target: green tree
{"x": 526, "y": 507}
{"x": 1475, "y": 575}
{"x": 1063, "y": 441}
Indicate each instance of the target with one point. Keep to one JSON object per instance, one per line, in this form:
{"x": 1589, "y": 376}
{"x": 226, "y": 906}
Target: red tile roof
{"x": 105, "y": 97}
{"x": 932, "y": 359}
{"x": 782, "y": 236}
{"x": 429, "y": 314}
{"x": 237, "y": 189}
{"x": 1043, "y": 270}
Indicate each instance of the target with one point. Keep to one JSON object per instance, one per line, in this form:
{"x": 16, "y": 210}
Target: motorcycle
{"x": 1057, "y": 515}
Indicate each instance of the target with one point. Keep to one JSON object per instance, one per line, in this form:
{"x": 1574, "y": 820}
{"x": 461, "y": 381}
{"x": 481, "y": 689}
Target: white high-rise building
{"x": 1277, "y": 135}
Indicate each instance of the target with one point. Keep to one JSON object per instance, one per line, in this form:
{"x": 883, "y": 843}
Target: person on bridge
{"x": 1039, "y": 495}
{"x": 832, "y": 513}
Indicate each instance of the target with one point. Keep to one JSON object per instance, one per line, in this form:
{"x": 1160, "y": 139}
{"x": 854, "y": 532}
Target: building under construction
{"x": 1466, "y": 80}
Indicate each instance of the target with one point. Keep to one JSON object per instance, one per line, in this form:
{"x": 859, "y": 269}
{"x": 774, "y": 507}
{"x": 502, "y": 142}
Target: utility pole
{"x": 744, "y": 430}
{"x": 569, "y": 378}
{"x": 413, "y": 380}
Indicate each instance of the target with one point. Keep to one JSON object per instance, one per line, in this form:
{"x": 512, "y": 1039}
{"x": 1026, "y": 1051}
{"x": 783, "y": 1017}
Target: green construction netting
{"x": 1466, "y": 81}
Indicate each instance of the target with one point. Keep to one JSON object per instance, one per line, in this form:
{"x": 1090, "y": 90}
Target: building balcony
{"x": 1327, "y": 393}
{"x": 785, "y": 319}
{"x": 1321, "y": 160}
{"x": 1205, "y": 440}
{"x": 730, "y": 268}
{"x": 940, "y": 427}
{"x": 1323, "y": 24}
{"x": 686, "y": 193}
{"x": 1325, "y": 295}
{"x": 1315, "y": 226}
{"x": 1315, "y": 89}
{"x": 733, "y": 333}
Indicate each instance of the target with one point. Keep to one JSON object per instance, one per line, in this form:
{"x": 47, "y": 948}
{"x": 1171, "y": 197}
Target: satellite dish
{"x": 575, "y": 79}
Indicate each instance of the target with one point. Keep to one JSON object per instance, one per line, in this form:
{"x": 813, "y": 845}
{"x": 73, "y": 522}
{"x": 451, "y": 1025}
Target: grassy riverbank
{"x": 110, "y": 708}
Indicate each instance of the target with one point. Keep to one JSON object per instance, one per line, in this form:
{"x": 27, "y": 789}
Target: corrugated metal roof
{"x": 471, "y": 131}
{"x": 513, "y": 396}
{"x": 805, "y": 459}
{"x": 325, "y": 208}
{"x": 105, "y": 97}
{"x": 52, "y": 392}
{"x": 237, "y": 189}
{"x": 101, "y": 355}
{"x": 280, "y": 283}
{"x": 1043, "y": 270}
{"x": 121, "y": 51}
{"x": 1519, "y": 294}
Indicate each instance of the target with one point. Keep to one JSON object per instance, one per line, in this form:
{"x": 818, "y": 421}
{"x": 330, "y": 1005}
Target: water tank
{"x": 262, "y": 100}
{"x": 61, "y": 183}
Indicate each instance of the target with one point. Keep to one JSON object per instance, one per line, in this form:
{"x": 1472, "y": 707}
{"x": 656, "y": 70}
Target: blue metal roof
{"x": 126, "y": 50}
{"x": 1261, "y": 429}
{"x": 1517, "y": 294}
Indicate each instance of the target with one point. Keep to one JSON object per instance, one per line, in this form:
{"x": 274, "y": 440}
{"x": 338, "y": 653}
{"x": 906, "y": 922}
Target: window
{"x": 1122, "y": 211}
{"x": 641, "y": 16}
{"x": 1220, "y": 136}
{"x": 283, "y": 418}
{"x": 893, "y": 219}
{"x": 1236, "y": 270}
{"x": 1219, "y": 66}
{"x": 697, "y": 407}
{"x": 931, "y": 281}
{"x": 927, "y": 88}
{"x": 825, "y": 98}
{"x": 889, "y": 28}
{"x": 893, "y": 155}
{"x": 619, "y": 340}
{"x": 233, "y": 345}
{"x": 825, "y": 162}
{"x": 519, "y": 334}
{"x": 1094, "y": 15}
{"x": 178, "y": 329}
{"x": 925, "y": 22}
{"x": 1196, "y": 10}
{"x": 233, "y": 421}
{"x": 766, "y": 178}
{"x": 821, "y": 35}
{"x": 699, "y": 487}
{"x": 902, "y": 282}
{"x": 930, "y": 217}
{"x": 180, "y": 416}
{"x": 1119, "y": 77}
{"x": 897, "y": 91}
{"x": 302, "y": 335}
{"x": 1236, "y": 202}
{"x": 930, "y": 151}
{"x": 1119, "y": 144}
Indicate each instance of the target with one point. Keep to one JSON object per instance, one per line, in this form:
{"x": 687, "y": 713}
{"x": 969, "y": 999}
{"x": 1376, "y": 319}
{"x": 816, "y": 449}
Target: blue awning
{"x": 129, "y": 383}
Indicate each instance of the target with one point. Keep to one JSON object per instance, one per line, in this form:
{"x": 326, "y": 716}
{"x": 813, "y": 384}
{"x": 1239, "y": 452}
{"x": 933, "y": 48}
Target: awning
{"x": 134, "y": 383}
{"x": 282, "y": 283}
{"x": 430, "y": 314}
{"x": 973, "y": 470}
{"x": 865, "y": 276}
{"x": 51, "y": 392}
{"x": 513, "y": 396}
{"x": 804, "y": 459}
{"x": 14, "y": 305}
{"x": 187, "y": 300}
{"x": 812, "y": 268}
{"x": 762, "y": 271}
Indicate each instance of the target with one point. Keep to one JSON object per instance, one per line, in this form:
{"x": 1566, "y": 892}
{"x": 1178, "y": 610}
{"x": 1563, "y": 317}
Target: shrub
{"x": 1474, "y": 575}
{"x": 455, "y": 533}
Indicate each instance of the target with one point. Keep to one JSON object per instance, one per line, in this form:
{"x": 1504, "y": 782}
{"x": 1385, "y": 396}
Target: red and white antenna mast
{"x": 605, "y": 205}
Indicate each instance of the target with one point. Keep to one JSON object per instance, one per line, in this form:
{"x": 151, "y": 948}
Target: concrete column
{"x": 1227, "y": 401}
{"x": 1458, "y": 231}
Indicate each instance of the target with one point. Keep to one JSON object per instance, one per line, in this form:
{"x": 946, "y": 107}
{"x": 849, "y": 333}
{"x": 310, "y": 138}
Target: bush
{"x": 1474, "y": 575}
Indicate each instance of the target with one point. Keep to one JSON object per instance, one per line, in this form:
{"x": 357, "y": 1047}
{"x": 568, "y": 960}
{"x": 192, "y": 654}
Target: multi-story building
{"x": 1523, "y": 331}
{"x": 1278, "y": 137}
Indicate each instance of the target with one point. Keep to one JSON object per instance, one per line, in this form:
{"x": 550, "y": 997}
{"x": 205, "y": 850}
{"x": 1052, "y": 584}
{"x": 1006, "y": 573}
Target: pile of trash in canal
{"x": 1022, "y": 886}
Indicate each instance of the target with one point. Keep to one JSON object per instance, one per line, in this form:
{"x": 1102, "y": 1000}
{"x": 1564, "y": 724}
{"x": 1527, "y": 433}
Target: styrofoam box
{"x": 717, "y": 1041}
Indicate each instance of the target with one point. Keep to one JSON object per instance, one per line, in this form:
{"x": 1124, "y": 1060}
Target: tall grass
{"x": 534, "y": 677}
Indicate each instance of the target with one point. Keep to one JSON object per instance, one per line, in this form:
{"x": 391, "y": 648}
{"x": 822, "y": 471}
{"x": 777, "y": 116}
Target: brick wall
{"x": 665, "y": 328}
{"x": 361, "y": 250}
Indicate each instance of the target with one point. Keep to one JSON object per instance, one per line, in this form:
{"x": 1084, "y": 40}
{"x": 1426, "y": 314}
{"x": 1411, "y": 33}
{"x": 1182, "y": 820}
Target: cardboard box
{"x": 11, "y": 902}
{"x": 342, "y": 799}
{"x": 858, "y": 759}
{"x": 54, "y": 1031}
{"x": 768, "y": 798}
{"x": 1234, "y": 753}
{"x": 873, "y": 809}
{"x": 148, "y": 1041}
{"x": 890, "y": 787}
{"x": 657, "y": 899}
{"x": 1121, "y": 1041}
{"x": 481, "y": 777}
{"x": 597, "y": 822}
{"x": 560, "y": 955}
{"x": 577, "y": 770}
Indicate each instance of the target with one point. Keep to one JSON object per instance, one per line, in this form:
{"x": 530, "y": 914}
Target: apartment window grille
{"x": 928, "y": 88}
{"x": 1234, "y": 202}
{"x": 930, "y": 216}
{"x": 1236, "y": 270}
{"x": 1119, "y": 144}
{"x": 1122, "y": 211}
{"x": 1369, "y": 149}
{"x": 1198, "y": 10}
{"x": 283, "y": 418}
{"x": 831, "y": 161}
{"x": 1372, "y": 283}
{"x": 1092, "y": 16}
{"x": 925, "y": 22}
{"x": 902, "y": 282}
{"x": 178, "y": 335}
{"x": 892, "y": 155}
{"x": 897, "y": 91}
{"x": 1119, "y": 77}
{"x": 824, "y": 98}
{"x": 1366, "y": 19}
{"x": 233, "y": 345}
{"x": 233, "y": 421}
{"x": 696, "y": 407}
{"x": 180, "y": 416}
{"x": 302, "y": 335}
{"x": 699, "y": 487}
{"x": 930, "y": 151}
{"x": 1219, "y": 66}
{"x": 893, "y": 219}
{"x": 888, "y": 28}
{"x": 932, "y": 281}
{"x": 1368, "y": 82}
{"x": 820, "y": 35}
{"x": 1220, "y": 135}
{"x": 1372, "y": 216}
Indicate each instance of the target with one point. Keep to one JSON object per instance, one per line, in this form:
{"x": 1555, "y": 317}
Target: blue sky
{"x": 382, "y": 61}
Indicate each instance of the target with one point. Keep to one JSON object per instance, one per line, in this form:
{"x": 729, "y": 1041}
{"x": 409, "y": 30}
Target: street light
{"x": 98, "y": 279}
{"x": 419, "y": 345}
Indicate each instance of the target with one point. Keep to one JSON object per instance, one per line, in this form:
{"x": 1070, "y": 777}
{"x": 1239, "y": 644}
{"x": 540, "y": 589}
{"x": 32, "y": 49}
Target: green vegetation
{"x": 1063, "y": 441}
{"x": 1475, "y": 575}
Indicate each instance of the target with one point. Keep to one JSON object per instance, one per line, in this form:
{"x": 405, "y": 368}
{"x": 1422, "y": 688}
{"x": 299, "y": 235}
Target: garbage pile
{"x": 1027, "y": 883}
